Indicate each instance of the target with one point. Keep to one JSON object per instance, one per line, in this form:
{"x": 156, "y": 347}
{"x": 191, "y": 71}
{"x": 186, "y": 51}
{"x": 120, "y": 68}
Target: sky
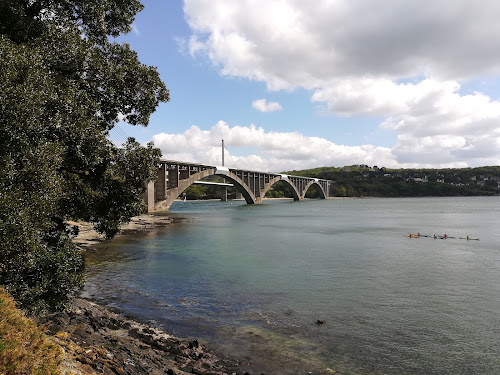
{"x": 290, "y": 84}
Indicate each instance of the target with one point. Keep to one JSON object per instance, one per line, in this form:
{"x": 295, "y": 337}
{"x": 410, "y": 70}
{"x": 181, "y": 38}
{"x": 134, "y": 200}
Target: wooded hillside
{"x": 362, "y": 180}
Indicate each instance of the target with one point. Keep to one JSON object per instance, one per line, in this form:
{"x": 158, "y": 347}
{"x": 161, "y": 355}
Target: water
{"x": 253, "y": 280}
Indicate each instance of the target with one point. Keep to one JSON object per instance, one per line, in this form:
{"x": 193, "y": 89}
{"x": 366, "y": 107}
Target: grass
{"x": 24, "y": 348}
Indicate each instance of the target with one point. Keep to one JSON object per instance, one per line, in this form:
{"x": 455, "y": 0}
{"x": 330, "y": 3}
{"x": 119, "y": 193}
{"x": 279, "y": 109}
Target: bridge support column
{"x": 173, "y": 177}
{"x": 161, "y": 183}
{"x": 149, "y": 196}
{"x": 223, "y": 194}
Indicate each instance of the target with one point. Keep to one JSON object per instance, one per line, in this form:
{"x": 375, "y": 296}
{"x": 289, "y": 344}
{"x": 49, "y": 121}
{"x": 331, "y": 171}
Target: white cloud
{"x": 262, "y": 105}
{"x": 392, "y": 59}
{"x": 278, "y": 151}
{"x": 292, "y": 43}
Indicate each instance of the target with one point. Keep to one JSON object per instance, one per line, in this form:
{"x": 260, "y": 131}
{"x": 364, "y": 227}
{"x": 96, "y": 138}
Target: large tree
{"x": 64, "y": 84}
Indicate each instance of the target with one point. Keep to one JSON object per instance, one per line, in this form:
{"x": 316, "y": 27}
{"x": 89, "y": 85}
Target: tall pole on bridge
{"x": 223, "y": 191}
{"x": 222, "y": 152}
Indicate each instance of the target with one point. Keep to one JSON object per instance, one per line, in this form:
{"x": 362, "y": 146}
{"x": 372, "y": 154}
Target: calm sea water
{"x": 253, "y": 280}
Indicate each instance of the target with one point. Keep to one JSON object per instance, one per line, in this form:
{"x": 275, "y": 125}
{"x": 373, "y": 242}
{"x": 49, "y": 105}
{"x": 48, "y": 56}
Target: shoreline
{"x": 103, "y": 339}
{"x": 88, "y": 237}
{"x": 99, "y": 339}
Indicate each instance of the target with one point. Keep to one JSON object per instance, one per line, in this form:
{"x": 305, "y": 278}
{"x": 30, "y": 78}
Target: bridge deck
{"x": 176, "y": 176}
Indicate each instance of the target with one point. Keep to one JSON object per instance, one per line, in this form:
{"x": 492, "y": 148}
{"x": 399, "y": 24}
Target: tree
{"x": 65, "y": 84}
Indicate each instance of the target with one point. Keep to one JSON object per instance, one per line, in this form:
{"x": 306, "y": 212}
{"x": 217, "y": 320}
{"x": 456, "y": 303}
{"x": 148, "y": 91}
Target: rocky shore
{"x": 100, "y": 340}
{"x": 87, "y": 236}
{"x": 97, "y": 340}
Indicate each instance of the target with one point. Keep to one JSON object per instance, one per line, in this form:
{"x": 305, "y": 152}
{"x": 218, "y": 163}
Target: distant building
{"x": 420, "y": 179}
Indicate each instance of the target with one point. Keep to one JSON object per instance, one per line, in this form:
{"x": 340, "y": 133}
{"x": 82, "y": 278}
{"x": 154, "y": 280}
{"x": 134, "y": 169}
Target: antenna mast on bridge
{"x": 223, "y": 191}
{"x": 222, "y": 152}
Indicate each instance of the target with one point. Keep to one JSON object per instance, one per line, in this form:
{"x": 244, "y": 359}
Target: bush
{"x": 64, "y": 85}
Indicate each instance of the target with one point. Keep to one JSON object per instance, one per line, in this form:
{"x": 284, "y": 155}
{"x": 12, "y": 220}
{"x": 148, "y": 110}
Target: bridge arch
{"x": 322, "y": 193}
{"x": 291, "y": 187}
{"x": 175, "y": 177}
{"x": 266, "y": 187}
{"x": 172, "y": 193}
{"x": 238, "y": 183}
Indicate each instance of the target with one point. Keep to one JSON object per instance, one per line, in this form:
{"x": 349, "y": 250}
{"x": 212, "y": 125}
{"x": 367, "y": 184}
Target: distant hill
{"x": 362, "y": 180}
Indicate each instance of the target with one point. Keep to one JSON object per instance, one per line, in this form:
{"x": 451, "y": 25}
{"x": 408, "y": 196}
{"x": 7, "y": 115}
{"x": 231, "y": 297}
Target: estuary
{"x": 253, "y": 281}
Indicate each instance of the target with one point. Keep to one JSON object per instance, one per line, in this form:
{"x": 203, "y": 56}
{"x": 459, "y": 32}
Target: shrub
{"x": 24, "y": 348}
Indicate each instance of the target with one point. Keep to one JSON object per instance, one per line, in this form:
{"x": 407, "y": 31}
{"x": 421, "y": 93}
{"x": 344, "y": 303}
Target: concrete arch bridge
{"x": 175, "y": 176}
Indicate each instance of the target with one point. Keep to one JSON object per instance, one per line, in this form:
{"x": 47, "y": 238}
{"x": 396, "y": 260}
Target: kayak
{"x": 440, "y": 237}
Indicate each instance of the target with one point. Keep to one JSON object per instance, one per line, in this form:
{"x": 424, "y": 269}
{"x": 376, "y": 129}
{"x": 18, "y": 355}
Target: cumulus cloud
{"x": 391, "y": 59}
{"x": 262, "y": 105}
{"x": 272, "y": 151}
{"x": 291, "y": 43}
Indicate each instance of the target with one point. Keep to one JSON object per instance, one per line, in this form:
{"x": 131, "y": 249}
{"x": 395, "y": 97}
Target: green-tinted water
{"x": 253, "y": 280}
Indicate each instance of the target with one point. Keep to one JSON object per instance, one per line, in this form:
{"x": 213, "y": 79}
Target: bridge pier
{"x": 174, "y": 177}
{"x": 223, "y": 194}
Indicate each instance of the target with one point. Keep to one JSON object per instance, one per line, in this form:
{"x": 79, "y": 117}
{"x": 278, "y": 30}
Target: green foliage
{"x": 361, "y": 180}
{"x": 313, "y": 192}
{"x": 195, "y": 192}
{"x": 279, "y": 190}
{"x": 107, "y": 192}
{"x": 200, "y": 192}
{"x": 62, "y": 91}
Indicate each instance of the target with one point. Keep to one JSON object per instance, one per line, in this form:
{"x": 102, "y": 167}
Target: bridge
{"x": 175, "y": 176}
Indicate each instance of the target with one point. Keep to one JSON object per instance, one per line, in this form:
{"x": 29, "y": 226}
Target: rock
{"x": 134, "y": 332}
{"x": 148, "y": 330}
{"x": 193, "y": 344}
{"x": 320, "y": 322}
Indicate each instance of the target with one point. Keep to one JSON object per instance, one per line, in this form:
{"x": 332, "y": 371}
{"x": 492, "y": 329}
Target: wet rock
{"x": 193, "y": 344}
{"x": 134, "y": 332}
{"x": 89, "y": 335}
{"x": 148, "y": 330}
{"x": 320, "y": 322}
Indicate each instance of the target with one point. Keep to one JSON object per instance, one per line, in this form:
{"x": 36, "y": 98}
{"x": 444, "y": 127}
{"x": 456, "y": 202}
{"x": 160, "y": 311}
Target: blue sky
{"x": 387, "y": 83}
